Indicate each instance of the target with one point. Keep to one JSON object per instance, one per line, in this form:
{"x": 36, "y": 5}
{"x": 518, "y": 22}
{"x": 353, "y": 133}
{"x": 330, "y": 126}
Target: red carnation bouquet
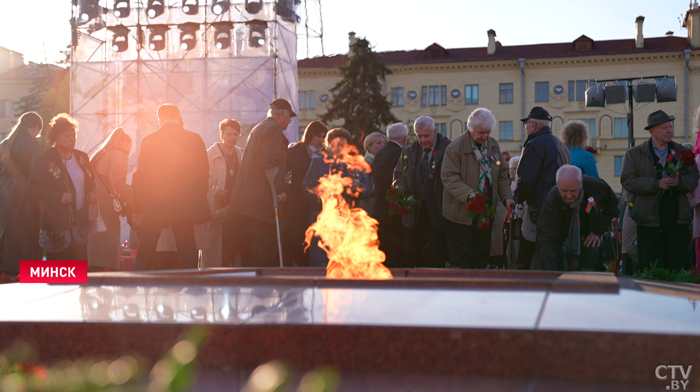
{"x": 676, "y": 162}
{"x": 477, "y": 208}
{"x": 400, "y": 202}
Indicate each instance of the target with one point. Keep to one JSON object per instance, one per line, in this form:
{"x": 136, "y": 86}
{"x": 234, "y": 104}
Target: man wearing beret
{"x": 543, "y": 154}
{"x": 658, "y": 195}
{"x": 251, "y": 207}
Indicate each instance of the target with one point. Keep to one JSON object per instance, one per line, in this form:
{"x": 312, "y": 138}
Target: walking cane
{"x": 271, "y": 174}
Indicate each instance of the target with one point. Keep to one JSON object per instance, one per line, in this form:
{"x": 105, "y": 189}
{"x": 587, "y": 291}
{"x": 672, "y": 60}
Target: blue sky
{"x": 39, "y": 28}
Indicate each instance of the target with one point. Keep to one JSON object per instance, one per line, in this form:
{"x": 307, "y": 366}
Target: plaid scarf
{"x": 482, "y": 157}
{"x": 572, "y": 245}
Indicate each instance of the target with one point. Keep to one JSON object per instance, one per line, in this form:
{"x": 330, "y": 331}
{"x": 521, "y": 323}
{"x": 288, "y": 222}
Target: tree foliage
{"x": 360, "y": 102}
{"x": 49, "y": 94}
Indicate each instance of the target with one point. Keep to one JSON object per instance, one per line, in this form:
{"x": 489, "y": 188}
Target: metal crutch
{"x": 271, "y": 174}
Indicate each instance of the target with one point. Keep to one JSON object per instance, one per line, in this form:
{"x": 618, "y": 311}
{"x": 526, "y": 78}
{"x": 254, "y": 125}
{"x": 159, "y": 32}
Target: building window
{"x": 581, "y": 86}
{"x": 505, "y": 130}
{"x": 441, "y": 128}
{"x": 443, "y": 95}
{"x": 671, "y": 78}
{"x": 618, "y": 165}
{"x": 471, "y": 94}
{"x": 541, "y": 91}
{"x": 424, "y": 96}
{"x": 572, "y": 90}
{"x": 4, "y": 108}
{"x": 436, "y": 95}
{"x": 621, "y": 127}
{"x": 505, "y": 93}
{"x": 307, "y": 99}
{"x": 397, "y": 96}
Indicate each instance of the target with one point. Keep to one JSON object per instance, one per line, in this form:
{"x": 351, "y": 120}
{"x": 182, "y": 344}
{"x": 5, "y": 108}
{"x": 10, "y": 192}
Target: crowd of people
{"x": 231, "y": 206}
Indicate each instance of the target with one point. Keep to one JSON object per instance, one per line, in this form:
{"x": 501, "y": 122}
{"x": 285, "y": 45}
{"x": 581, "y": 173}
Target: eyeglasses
{"x": 527, "y": 122}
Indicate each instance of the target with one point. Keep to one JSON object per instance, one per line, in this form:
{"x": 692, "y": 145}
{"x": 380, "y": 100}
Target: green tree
{"x": 360, "y": 102}
{"x": 49, "y": 94}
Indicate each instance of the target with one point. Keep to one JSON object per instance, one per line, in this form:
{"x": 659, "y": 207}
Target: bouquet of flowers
{"x": 477, "y": 208}
{"x": 400, "y": 202}
{"x": 676, "y": 162}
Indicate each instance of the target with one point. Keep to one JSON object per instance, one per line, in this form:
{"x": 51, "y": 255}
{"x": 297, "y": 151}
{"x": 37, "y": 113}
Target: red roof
{"x": 538, "y": 51}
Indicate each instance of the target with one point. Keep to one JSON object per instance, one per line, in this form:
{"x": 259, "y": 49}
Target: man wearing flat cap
{"x": 251, "y": 207}
{"x": 543, "y": 154}
{"x": 658, "y": 195}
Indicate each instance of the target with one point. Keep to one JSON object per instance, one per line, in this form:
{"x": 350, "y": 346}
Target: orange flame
{"x": 348, "y": 235}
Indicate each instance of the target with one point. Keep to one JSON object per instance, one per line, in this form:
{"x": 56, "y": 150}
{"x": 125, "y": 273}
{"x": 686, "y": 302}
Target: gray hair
{"x": 372, "y": 138}
{"x": 397, "y": 131}
{"x": 514, "y": 162}
{"x": 569, "y": 172}
{"x": 424, "y": 121}
{"x": 541, "y": 123}
{"x": 276, "y": 112}
{"x": 481, "y": 117}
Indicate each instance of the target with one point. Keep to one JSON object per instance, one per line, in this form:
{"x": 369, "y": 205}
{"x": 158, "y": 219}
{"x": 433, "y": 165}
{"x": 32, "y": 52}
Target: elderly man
{"x": 543, "y": 154}
{"x": 390, "y": 230}
{"x": 659, "y": 201}
{"x": 472, "y": 166}
{"x": 251, "y": 206}
{"x": 419, "y": 173}
{"x": 574, "y": 216}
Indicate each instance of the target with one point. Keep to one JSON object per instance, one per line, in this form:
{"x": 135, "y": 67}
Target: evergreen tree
{"x": 360, "y": 102}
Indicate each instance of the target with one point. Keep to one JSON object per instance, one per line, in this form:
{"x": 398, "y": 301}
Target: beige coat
{"x": 460, "y": 175}
{"x": 211, "y": 253}
{"x": 103, "y": 248}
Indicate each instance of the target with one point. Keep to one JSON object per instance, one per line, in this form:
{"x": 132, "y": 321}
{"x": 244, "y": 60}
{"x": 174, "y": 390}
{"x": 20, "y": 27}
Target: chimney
{"x": 639, "y": 40}
{"x": 353, "y": 40}
{"x": 492, "y": 42}
{"x": 692, "y": 23}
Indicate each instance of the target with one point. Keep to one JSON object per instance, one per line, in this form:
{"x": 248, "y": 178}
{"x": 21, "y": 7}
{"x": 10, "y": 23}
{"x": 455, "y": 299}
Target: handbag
{"x": 98, "y": 224}
{"x": 119, "y": 205}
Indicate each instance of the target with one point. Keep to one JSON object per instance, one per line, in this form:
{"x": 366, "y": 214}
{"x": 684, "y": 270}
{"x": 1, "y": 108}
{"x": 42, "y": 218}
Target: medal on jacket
{"x": 591, "y": 205}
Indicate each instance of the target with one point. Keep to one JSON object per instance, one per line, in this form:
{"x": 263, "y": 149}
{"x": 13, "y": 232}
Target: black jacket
{"x": 298, "y": 206}
{"x": 265, "y": 149}
{"x": 407, "y": 176}
{"x": 555, "y": 218}
{"x": 543, "y": 154}
{"x": 172, "y": 178}
{"x": 49, "y": 189}
{"x": 383, "y": 175}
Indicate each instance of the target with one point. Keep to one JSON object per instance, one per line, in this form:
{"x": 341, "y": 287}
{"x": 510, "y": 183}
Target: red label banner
{"x": 38, "y": 271}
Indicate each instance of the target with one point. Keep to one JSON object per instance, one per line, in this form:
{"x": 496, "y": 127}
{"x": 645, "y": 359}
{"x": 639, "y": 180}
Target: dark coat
{"x": 407, "y": 176}
{"x": 383, "y": 175}
{"x": 543, "y": 154}
{"x": 172, "y": 177}
{"x": 265, "y": 149}
{"x": 298, "y": 205}
{"x": 555, "y": 218}
{"x": 56, "y": 216}
{"x": 19, "y": 212}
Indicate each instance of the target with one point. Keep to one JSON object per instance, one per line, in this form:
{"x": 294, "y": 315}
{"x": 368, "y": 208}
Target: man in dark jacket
{"x": 418, "y": 173}
{"x": 574, "y": 216}
{"x": 170, "y": 187}
{"x": 251, "y": 199}
{"x": 662, "y": 220}
{"x": 390, "y": 228}
{"x": 543, "y": 154}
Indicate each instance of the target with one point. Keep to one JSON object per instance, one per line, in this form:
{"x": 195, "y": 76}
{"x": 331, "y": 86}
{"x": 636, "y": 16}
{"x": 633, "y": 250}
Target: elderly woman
{"x": 19, "y": 213}
{"x": 338, "y": 142}
{"x": 469, "y": 169}
{"x": 374, "y": 142}
{"x": 63, "y": 181}
{"x": 575, "y": 137}
{"x": 513, "y": 171}
{"x": 224, "y": 160}
{"x": 110, "y": 163}
{"x": 299, "y": 156}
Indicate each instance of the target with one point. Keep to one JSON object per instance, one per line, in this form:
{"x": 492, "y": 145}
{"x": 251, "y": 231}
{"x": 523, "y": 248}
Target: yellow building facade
{"x": 448, "y": 84}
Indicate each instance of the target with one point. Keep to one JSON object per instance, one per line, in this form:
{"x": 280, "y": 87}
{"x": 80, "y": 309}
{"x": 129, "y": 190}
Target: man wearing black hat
{"x": 659, "y": 203}
{"x": 251, "y": 205}
{"x": 543, "y": 154}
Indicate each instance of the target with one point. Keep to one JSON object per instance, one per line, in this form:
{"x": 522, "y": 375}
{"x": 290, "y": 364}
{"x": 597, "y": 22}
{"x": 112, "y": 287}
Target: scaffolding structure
{"x": 212, "y": 65}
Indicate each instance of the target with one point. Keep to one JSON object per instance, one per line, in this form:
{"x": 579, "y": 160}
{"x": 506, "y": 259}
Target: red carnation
{"x": 471, "y": 206}
{"x": 392, "y": 192}
{"x": 484, "y": 225}
{"x": 479, "y": 199}
{"x": 479, "y": 208}
{"x": 394, "y": 206}
{"x": 687, "y": 157}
